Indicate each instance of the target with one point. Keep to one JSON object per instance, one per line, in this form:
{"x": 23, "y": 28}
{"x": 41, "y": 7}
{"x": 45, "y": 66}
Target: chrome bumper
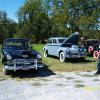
{"x": 35, "y": 64}
{"x": 75, "y": 55}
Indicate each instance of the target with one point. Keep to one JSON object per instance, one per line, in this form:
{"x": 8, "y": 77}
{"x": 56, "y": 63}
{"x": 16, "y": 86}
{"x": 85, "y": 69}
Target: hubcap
{"x": 62, "y": 58}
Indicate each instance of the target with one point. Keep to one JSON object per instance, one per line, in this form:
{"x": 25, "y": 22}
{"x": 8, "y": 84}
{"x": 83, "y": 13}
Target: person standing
{"x": 97, "y": 57}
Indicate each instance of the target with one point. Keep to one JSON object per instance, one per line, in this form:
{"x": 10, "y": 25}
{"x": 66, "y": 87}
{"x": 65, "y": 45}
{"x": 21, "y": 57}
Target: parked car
{"x": 92, "y": 45}
{"x": 17, "y": 54}
{"x": 65, "y": 47}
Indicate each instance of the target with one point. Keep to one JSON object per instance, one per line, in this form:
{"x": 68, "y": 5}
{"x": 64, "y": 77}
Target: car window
{"x": 50, "y": 41}
{"x": 17, "y": 43}
{"x": 54, "y": 41}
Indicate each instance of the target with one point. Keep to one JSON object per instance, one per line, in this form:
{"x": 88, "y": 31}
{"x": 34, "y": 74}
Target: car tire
{"x": 45, "y": 53}
{"x": 82, "y": 58}
{"x": 62, "y": 57}
{"x": 5, "y": 72}
{"x": 36, "y": 71}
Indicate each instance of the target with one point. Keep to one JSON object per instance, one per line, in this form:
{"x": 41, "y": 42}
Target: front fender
{"x": 61, "y": 49}
{"x": 45, "y": 48}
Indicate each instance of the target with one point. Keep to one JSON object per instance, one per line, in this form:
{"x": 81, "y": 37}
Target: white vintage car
{"x": 65, "y": 47}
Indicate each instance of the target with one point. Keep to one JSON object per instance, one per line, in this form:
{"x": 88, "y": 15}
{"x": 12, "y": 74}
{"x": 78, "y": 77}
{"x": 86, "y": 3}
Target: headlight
{"x": 39, "y": 56}
{"x": 68, "y": 50}
{"x": 9, "y": 57}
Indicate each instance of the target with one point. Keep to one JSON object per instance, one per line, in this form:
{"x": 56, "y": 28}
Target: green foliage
{"x": 7, "y": 26}
{"x": 33, "y": 21}
{"x": 76, "y": 15}
{"x": 41, "y": 19}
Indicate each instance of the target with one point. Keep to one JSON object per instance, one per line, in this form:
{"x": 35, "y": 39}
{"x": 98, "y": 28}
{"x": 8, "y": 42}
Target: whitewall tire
{"x": 62, "y": 57}
{"x": 45, "y": 53}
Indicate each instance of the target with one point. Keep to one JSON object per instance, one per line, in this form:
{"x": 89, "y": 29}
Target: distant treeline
{"x": 41, "y": 19}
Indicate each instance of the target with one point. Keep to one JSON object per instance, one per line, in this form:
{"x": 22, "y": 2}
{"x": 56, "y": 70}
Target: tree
{"x": 76, "y": 15}
{"x": 7, "y": 26}
{"x": 33, "y": 20}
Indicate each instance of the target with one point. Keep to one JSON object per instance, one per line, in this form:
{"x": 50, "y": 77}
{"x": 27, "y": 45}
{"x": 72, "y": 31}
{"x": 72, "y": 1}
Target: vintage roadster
{"x": 65, "y": 47}
{"x": 17, "y": 54}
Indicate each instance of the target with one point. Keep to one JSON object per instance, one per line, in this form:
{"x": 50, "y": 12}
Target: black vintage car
{"x": 92, "y": 45}
{"x": 17, "y": 54}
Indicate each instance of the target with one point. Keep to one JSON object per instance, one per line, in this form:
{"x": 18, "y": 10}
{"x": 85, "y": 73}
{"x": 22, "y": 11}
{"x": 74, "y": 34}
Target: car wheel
{"x": 82, "y": 58}
{"x": 36, "y": 71}
{"x": 62, "y": 57}
{"x": 5, "y": 72}
{"x": 45, "y": 53}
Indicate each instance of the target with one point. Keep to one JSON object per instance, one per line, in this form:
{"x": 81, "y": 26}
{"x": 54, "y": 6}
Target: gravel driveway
{"x": 51, "y": 86}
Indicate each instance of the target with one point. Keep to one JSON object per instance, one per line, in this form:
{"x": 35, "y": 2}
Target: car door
{"x": 55, "y": 47}
{"x": 52, "y": 46}
{"x": 49, "y": 46}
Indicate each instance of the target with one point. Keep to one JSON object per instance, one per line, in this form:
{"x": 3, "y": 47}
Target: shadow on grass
{"x": 79, "y": 60}
{"x": 42, "y": 72}
{"x": 75, "y": 60}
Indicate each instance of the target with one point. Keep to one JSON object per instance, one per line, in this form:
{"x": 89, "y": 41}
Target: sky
{"x": 11, "y": 7}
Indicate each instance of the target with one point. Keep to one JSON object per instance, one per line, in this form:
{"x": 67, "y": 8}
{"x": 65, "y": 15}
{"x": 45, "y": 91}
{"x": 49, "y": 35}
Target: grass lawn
{"x": 71, "y": 65}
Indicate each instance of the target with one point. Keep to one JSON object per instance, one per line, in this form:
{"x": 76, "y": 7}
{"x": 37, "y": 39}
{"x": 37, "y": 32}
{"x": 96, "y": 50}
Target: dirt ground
{"x": 48, "y": 85}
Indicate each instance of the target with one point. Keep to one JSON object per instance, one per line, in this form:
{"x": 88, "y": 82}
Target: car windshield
{"x": 61, "y": 40}
{"x": 17, "y": 44}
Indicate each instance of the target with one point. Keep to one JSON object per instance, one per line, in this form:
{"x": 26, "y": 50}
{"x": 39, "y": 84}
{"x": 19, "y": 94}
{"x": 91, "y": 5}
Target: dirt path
{"x": 58, "y": 86}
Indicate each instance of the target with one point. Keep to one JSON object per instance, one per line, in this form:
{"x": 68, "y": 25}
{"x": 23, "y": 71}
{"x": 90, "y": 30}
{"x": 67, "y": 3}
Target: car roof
{"x": 11, "y": 39}
{"x": 92, "y": 40}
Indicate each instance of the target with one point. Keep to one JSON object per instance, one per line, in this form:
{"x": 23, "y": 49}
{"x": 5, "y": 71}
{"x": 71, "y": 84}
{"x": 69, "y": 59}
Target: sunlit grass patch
{"x": 56, "y": 65}
{"x": 96, "y": 80}
{"x": 69, "y": 78}
{"x": 79, "y": 85}
{"x": 92, "y": 88}
{"x": 19, "y": 79}
{"x": 61, "y": 85}
{"x": 88, "y": 75}
{"x": 60, "y": 76}
{"x": 2, "y": 78}
{"x": 78, "y": 81}
{"x": 43, "y": 79}
{"x": 36, "y": 84}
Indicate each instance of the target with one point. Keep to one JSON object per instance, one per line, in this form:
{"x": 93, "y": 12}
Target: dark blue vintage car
{"x": 17, "y": 54}
{"x": 65, "y": 47}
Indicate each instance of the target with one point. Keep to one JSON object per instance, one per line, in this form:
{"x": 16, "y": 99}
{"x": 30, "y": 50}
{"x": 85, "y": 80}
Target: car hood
{"x": 22, "y": 53}
{"x": 73, "y": 38}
